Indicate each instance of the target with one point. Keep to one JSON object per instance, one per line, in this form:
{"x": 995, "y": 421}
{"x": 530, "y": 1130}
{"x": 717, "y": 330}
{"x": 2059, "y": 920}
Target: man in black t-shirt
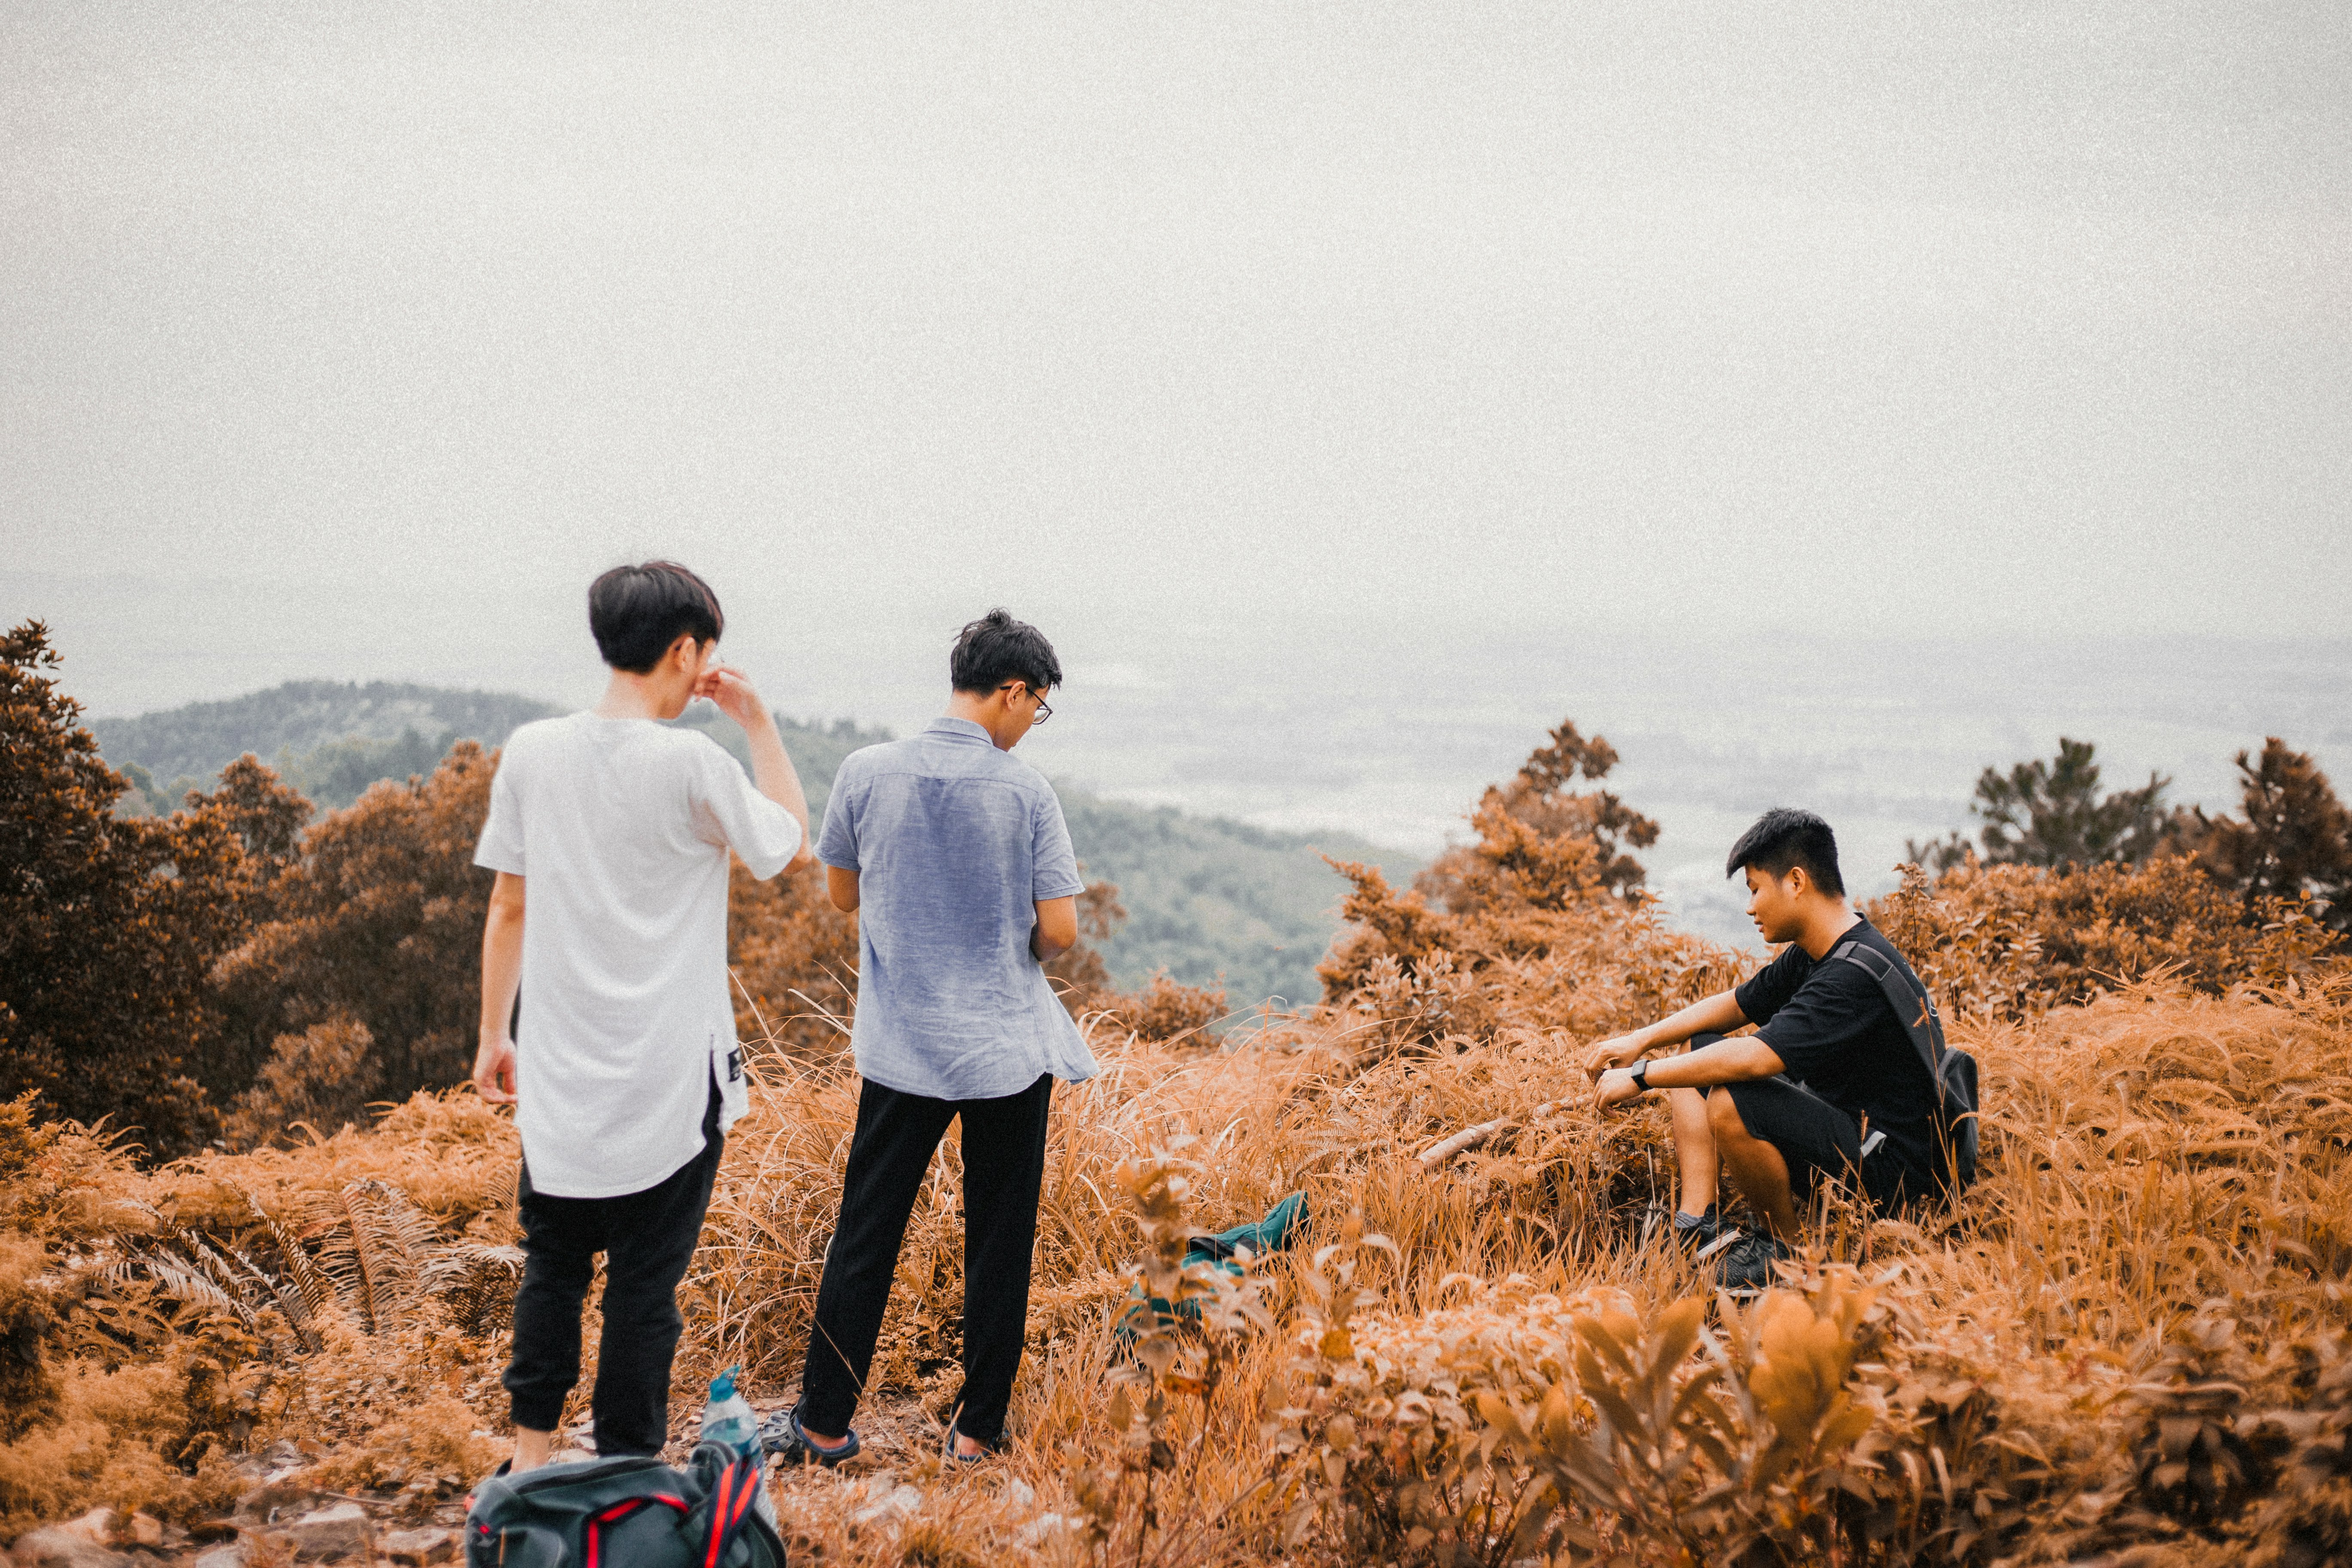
{"x": 1830, "y": 1085}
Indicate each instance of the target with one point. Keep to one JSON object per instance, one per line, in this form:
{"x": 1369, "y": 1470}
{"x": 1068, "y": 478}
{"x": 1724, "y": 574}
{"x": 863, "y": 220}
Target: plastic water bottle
{"x": 728, "y": 1419}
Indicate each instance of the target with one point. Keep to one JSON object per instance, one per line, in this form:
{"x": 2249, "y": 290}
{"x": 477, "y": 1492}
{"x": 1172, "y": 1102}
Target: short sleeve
{"x": 729, "y": 811}
{"x": 501, "y": 844}
{"x": 1767, "y": 991}
{"x": 836, "y": 845}
{"x": 1836, "y": 1006}
{"x": 1055, "y": 865}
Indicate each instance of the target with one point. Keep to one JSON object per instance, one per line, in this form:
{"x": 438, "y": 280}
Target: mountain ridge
{"x": 1210, "y": 900}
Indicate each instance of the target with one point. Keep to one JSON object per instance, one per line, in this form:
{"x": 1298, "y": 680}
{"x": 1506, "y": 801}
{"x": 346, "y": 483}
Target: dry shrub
{"x": 2000, "y": 941}
{"x": 317, "y": 1079}
{"x": 430, "y": 1449}
{"x": 795, "y": 958}
{"x": 2126, "y": 1339}
{"x": 1167, "y": 1012}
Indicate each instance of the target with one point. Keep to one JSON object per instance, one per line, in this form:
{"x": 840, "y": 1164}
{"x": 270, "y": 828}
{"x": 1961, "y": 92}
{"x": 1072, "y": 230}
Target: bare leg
{"x": 1695, "y": 1155}
{"x": 1755, "y": 1166}
{"x": 531, "y": 1449}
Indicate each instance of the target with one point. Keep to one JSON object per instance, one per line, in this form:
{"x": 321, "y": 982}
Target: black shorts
{"x": 1820, "y": 1141}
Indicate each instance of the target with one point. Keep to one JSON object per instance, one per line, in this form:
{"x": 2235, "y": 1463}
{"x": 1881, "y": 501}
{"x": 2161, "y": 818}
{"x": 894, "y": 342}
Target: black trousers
{"x": 647, "y": 1239}
{"x": 1003, "y": 1164}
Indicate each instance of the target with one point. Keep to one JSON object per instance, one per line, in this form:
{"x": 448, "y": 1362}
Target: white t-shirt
{"x": 620, "y": 830}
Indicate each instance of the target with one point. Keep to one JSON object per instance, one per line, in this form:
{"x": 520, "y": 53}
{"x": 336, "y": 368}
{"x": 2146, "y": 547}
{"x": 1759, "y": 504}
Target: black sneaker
{"x": 1747, "y": 1266}
{"x": 1700, "y": 1237}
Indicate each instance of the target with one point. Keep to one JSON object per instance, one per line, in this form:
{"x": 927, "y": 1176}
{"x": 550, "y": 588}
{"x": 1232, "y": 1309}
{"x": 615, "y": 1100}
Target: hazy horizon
{"x": 1512, "y": 362}
{"x": 1886, "y": 737}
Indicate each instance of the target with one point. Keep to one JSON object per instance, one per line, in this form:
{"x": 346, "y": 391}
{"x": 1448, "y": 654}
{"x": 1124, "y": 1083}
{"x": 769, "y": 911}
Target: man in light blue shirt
{"x": 958, "y": 862}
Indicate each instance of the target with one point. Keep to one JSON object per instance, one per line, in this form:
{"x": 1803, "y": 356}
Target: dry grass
{"x": 2129, "y": 1337}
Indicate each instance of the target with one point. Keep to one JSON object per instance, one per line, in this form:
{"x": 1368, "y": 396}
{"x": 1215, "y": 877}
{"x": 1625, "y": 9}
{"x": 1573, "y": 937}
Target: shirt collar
{"x": 962, "y": 729}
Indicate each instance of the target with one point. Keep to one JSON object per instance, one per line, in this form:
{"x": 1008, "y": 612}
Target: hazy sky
{"x": 352, "y": 339}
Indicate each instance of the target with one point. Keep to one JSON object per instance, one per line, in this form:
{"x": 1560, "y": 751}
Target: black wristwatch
{"x": 1642, "y": 1075}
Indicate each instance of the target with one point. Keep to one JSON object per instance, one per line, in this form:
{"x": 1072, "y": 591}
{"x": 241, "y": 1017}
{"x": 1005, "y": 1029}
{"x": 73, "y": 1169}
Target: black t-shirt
{"x": 1836, "y": 1033}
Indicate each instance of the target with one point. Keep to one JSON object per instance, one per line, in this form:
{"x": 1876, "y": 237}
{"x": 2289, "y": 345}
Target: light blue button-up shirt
{"x": 954, "y": 844}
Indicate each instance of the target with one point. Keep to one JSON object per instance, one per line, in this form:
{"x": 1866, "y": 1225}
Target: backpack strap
{"x": 1913, "y": 1008}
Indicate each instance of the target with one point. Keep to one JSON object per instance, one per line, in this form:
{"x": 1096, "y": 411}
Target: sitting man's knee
{"x": 1723, "y": 1114}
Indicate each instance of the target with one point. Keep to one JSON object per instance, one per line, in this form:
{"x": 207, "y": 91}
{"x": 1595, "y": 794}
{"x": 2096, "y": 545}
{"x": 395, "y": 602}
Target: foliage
{"x": 2294, "y": 842}
{"x": 2004, "y": 941}
{"x": 1535, "y": 807}
{"x": 1168, "y": 1013}
{"x": 794, "y": 959}
{"x": 1215, "y": 902}
{"x": 375, "y": 928}
{"x": 1080, "y": 976}
{"x": 1142, "y": 1501}
{"x": 1542, "y": 919}
{"x": 2052, "y": 813}
{"x": 108, "y": 925}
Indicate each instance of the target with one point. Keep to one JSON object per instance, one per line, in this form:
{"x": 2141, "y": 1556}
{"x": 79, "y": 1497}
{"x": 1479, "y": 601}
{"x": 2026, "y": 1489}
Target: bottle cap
{"x": 723, "y": 1385}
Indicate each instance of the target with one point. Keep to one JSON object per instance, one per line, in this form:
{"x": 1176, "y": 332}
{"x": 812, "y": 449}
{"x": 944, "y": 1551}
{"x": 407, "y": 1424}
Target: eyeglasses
{"x": 1044, "y": 711}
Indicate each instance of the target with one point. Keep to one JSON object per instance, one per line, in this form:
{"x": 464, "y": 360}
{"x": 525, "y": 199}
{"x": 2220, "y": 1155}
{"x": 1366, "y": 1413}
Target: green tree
{"x": 2052, "y": 813}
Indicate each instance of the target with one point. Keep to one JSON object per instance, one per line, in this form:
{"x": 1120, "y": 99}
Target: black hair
{"x": 1785, "y": 838}
{"x": 637, "y": 612}
{"x": 996, "y": 649}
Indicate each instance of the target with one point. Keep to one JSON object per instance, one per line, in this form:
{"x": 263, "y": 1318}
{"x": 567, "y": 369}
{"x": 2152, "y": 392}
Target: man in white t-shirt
{"x": 624, "y": 1072}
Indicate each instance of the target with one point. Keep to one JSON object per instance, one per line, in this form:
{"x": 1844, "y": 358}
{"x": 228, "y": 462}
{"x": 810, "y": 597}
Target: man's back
{"x": 1830, "y": 1022}
{"x": 954, "y": 842}
{"x": 621, "y": 829}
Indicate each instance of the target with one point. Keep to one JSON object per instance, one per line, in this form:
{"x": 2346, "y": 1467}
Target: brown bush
{"x": 1168, "y": 1013}
{"x": 2126, "y": 1338}
{"x": 1999, "y": 941}
{"x": 376, "y": 926}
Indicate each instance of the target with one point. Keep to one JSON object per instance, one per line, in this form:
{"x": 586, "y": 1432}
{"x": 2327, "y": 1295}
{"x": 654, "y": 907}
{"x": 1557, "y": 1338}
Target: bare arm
{"x": 1056, "y": 931}
{"x": 493, "y": 1061}
{"x": 1715, "y": 1015}
{"x": 1726, "y": 1061}
{"x": 771, "y": 770}
{"x": 841, "y": 887}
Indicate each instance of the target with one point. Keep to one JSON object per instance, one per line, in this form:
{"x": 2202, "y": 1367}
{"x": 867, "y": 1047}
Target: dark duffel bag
{"x": 630, "y": 1512}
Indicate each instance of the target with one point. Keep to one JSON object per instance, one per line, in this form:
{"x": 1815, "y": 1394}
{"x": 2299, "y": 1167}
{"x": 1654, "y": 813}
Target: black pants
{"x": 647, "y": 1239}
{"x": 1003, "y": 1164}
{"x": 1818, "y": 1141}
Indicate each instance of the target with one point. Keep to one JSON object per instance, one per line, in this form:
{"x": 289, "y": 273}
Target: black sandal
{"x": 987, "y": 1450}
{"x": 782, "y": 1435}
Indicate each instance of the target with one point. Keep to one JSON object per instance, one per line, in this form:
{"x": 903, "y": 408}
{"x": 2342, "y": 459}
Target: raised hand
{"x": 733, "y": 690}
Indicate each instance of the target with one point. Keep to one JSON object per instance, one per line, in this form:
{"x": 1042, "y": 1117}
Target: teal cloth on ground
{"x": 1261, "y": 1237}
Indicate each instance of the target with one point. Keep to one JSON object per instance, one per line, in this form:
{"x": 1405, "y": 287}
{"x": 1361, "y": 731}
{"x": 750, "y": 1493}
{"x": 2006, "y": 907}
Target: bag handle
{"x": 1913, "y": 1008}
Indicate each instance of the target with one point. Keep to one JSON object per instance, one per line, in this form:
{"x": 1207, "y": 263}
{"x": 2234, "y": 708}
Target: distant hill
{"x": 1205, "y": 896}
{"x": 196, "y": 742}
{"x": 330, "y": 739}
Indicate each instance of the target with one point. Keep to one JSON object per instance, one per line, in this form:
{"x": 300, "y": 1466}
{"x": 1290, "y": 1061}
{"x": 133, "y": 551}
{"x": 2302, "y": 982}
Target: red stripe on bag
{"x": 719, "y": 1517}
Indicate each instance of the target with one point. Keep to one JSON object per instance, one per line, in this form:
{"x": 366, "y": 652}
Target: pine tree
{"x": 2052, "y": 813}
{"x": 2295, "y": 840}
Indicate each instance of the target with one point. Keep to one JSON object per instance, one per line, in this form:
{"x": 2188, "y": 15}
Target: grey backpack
{"x": 623, "y": 1512}
{"x": 1953, "y": 1072}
